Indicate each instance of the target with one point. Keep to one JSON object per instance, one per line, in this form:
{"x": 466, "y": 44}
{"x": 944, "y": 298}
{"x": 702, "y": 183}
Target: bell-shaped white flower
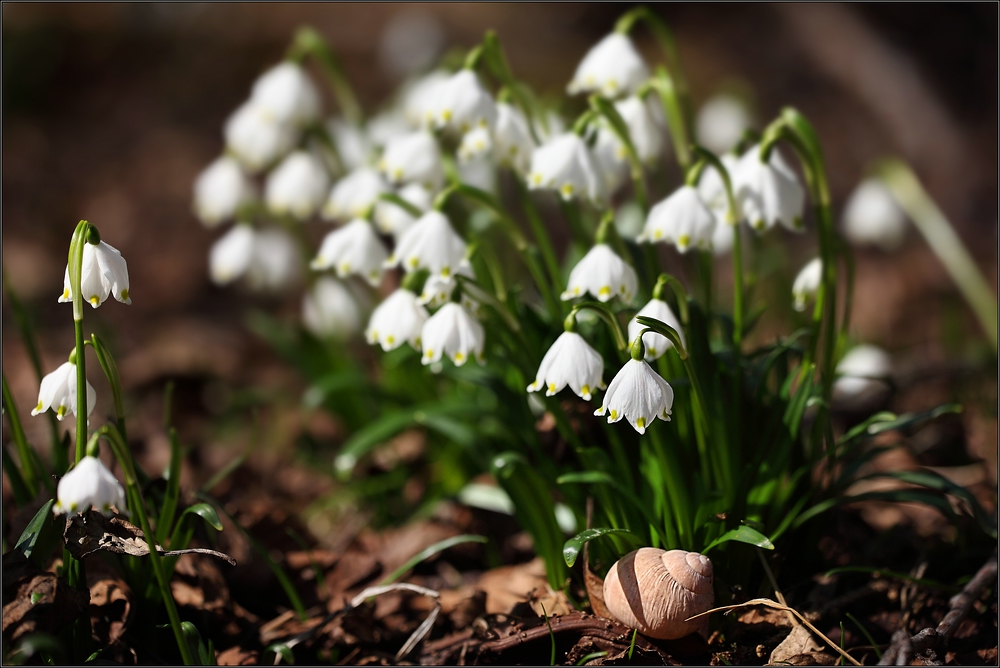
{"x": 655, "y": 344}
{"x": 603, "y": 274}
{"x": 638, "y": 394}
{"x": 297, "y": 186}
{"x": 103, "y": 272}
{"x": 386, "y": 125}
{"x": 353, "y": 144}
{"x": 643, "y": 128}
{"x": 276, "y": 261}
{"x": 712, "y": 189}
{"x": 58, "y": 392}
{"x": 768, "y": 193}
{"x": 862, "y": 370}
{"x": 255, "y": 141}
{"x": 480, "y": 172}
{"x": 392, "y": 219}
{"x": 570, "y": 361}
{"x": 807, "y": 284}
{"x": 609, "y": 160}
{"x": 430, "y": 244}
{"x": 89, "y": 484}
{"x": 438, "y": 287}
{"x": 565, "y": 164}
{"x": 475, "y": 143}
{"x": 452, "y": 331}
{"x": 512, "y": 139}
{"x": 353, "y": 249}
{"x": 418, "y": 98}
{"x": 354, "y": 194}
{"x": 722, "y": 238}
{"x": 220, "y": 190}
{"x": 286, "y": 94}
{"x": 872, "y": 216}
{"x": 682, "y": 219}
{"x": 231, "y": 255}
{"x": 612, "y": 67}
{"x": 397, "y": 320}
{"x": 721, "y": 122}
{"x": 413, "y": 158}
{"x": 461, "y": 103}
{"x": 330, "y": 310}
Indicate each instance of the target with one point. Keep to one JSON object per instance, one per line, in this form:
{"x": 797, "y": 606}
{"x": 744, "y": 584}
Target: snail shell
{"x": 654, "y": 591}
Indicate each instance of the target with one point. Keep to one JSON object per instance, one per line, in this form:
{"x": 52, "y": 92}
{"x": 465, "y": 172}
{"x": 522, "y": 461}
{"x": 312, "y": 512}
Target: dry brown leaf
{"x": 36, "y": 602}
{"x": 800, "y": 641}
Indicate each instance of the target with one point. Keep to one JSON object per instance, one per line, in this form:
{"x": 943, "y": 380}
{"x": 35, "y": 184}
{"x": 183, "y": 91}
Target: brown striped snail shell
{"x": 655, "y": 590}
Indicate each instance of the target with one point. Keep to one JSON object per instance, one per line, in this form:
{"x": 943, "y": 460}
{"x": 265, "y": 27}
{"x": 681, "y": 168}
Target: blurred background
{"x": 111, "y": 110}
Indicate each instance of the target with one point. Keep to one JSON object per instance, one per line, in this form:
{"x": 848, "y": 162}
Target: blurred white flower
{"x": 103, "y": 272}
{"x": 430, "y": 244}
{"x": 255, "y": 141}
{"x": 438, "y": 287}
{"x": 768, "y": 193}
{"x": 564, "y": 164}
{"x": 603, "y": 274}
{"x": 570, "y": 361}
{"x": 609, "y": 160}
{"x": 393, "y": 219}
{"x": 863, "y": 369}
{"x": 276, "y": 261}
{"x": 413, "y": 158}
{"x": 58, "y": 392}
{"x": 872, "y": 216}
{"x": 231, "y": 254}
{"x": 550, "y": 125}
{"x": 480, "y": 172}
{"x": 722, "y": 238}
{"x": 722, "y": 121}
{"x": 639, "y": 394}
{"x": 655, "y": 344}
{"x": 712, "y": 189}
{"x": 354, "y": 194}
{"x": 297, "y": 186}
{"x": 387, "y": 124}
{"x": 419, "y": 95}
{"x": 461, "y": 103}
{"x": 512, "y": 137}
{"x": 353, "y": 249}
{"x": 410, "y": 42}
{"x": 220, "y": 190}
{"x": 643, "y": 128}
{"x": 682, "y": 219}
{"x": 397, "y": 320}
{"x": 612, "y": 67}
{"x": 353, "y": 145}
{"x": 475, "y": 143}
{"x": 807, "y": 284}
{"x": 89, "y": 484}
{"x": 329, "y": 310}
{"x": 452, "y": 331}
{"x": 286, "y": 94}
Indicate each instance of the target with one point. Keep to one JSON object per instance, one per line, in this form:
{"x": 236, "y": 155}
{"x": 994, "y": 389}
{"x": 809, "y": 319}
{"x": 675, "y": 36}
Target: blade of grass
{"x": 426, "y": 553}
{"x": 864, "y": 632}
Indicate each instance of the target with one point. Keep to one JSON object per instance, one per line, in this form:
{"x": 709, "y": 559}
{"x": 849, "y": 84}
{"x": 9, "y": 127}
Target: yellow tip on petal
{"x": 640, "y": 423}
{"x": 390, "y": 339}
{"x": 94, "y": 300}
{"x": 552, "y": 388}
{"x": 125, "y": 295}
{"x": 65, "y": 294}
{"x": 605, "y": 291}
{"x": 614, "y": 414}
{"x": 567, "y": 190}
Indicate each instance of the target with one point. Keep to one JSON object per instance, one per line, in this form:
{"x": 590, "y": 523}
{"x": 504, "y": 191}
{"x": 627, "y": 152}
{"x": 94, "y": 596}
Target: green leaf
{"x": 170, "y": 498}
{"x": 936, "y": 481}
{"x": 743, "y": 534}
{"x": 277, "y": 649}
{"x": 40, "y": 536}
{"x": 429, "y": 552}
{"x": 196, "y": 644}
{"x": 204, "y": 511}
{"x": 572, "y": 547}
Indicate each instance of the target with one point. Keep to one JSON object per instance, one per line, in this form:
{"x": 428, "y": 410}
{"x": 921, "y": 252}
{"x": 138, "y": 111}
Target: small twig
{"x": 774, "y": 585}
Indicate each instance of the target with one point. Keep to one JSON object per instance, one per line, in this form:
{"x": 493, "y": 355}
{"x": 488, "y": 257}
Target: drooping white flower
{"x": 452, "y": 331}
{"x": 768, "y": 193}
{"x": 872, "y": 216}
{"x": 354, "y": 194}
{"x": 256, "y": 141}
{"x": 286, "y": 94}
{"x": 479, "y": 172}
{"x": 58, "y": 392}
{"x": 103, "y": 272}
{"x": 231, "y": 255}
{"x": 430, "y": 244}
{"x": 570, "y": 361}
{"x": 682, "y": 219}
{"x": 353, "y": 249}
{"x": 564, "y": 164}
{"x": 392, "y": 219}
{"x": 413, "y": 158}
{"x": 807, "y": 283}
{"x": 722, "y": 238}
{"x": 297, "y": 186}
{"x": 722, "y": 121}
{"x": 655, "y": 344}
{"x": 89, "y": 484}
{"x": 612, "y": 67}
{"x": 388, "y": 124}
{"x": 512, "y": 139}
{"x": 639, "y": 394}
{"x": 276, "y": 261}
{"x": 603, "y": 274}
{"x": 461, "y": 103}
{"x": 353, "y": 144}
{"x": 330, "y": 310}
{"x": 419, "y": 95}
{"x": 609, "y": 160}
{"x": 220, "y": 190}
{"x": 438, "y": 288}
{"x": 863, "y": 369}
{"x": 475, "y": 143}
{"x": 712, "y": 189}
{"x": 643, "y": 129}
{"x": 397, "y": 320}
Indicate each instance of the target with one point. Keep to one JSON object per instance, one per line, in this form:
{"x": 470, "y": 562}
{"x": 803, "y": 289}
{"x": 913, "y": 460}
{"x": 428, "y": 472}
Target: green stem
{"x": 309, "y": 42}
{"x": 571, "y": 211}
{"x": 75, "y": 264}
{"x": 541, "y": 236}
{"x": 618, "y": 126}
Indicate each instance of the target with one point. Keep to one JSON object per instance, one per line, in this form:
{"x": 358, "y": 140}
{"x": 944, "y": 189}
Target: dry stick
{"x": 774, "y": 585}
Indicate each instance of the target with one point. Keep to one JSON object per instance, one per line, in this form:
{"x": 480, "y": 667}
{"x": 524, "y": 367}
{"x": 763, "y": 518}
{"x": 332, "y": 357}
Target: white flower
{"x": 603, "y": 274}
{"x": 286, "y": 94}
{"x": 862, "y": 370}
{"x": 438, "y": 288}
{"x": 609, "y": 160}
{"x": 393, "y": 219}
{"x": 330, "y": 310}
{"x": 400, "y": 318}
{"x": 386, "y": 125}
{"x": 512, "y": 139}
{"x": 475, "y": 143}
{"x": 807, "y": 283}
{"x": 419, "y": 96}
{"x": 550, "y": 125}
{"x": 682, "y": 220}
{"x": 480, "y": 172}
{"x": 220, "y": 190}
{"x": 564, "y": 163}
{"x": 722, "y": 238}
{"x": 354, "y": 194}
{"x": 104, "y": 271}
{"x": 58, "y": 392}
{"x": 430, "y": 244}
{"x": 353, "y": 249}
{"x": 570, "y": 361}
{"x": 768, "y": 193}
{"x": 353, "y": 145}
{"x": 452, "y": 331}
{"x": 872, "y": 216}
{"x": 413, "y": 158}
{"x": 722, "y": 121}
{"x": 655, "y": 344}
{"x": 712, "y": 189}
{"x": 255, "y": 141}
{"x": 460, "y": 103}
{"x": 231, "y": 255}
{"x": 639, "y": 394}
{"x": 89, "y": 484}
{"x": 297, "y": 186}
{"x": 276, "y": 261}
{"x": 643, "y": 129}
{"x": 612, "y": 67}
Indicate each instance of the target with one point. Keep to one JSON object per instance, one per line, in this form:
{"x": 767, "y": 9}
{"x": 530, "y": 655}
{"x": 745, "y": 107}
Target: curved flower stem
{"x": 309, "y": 42}
{"x": 408, "y": 207}
{"x": 81, "y": 236}
{"x": 673, "y": 109}
{"x": 680, "y": 293}
{"x": 607, "y": 110}
{"x": 496, "y": 61}
{"x": 608, "y": 316}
